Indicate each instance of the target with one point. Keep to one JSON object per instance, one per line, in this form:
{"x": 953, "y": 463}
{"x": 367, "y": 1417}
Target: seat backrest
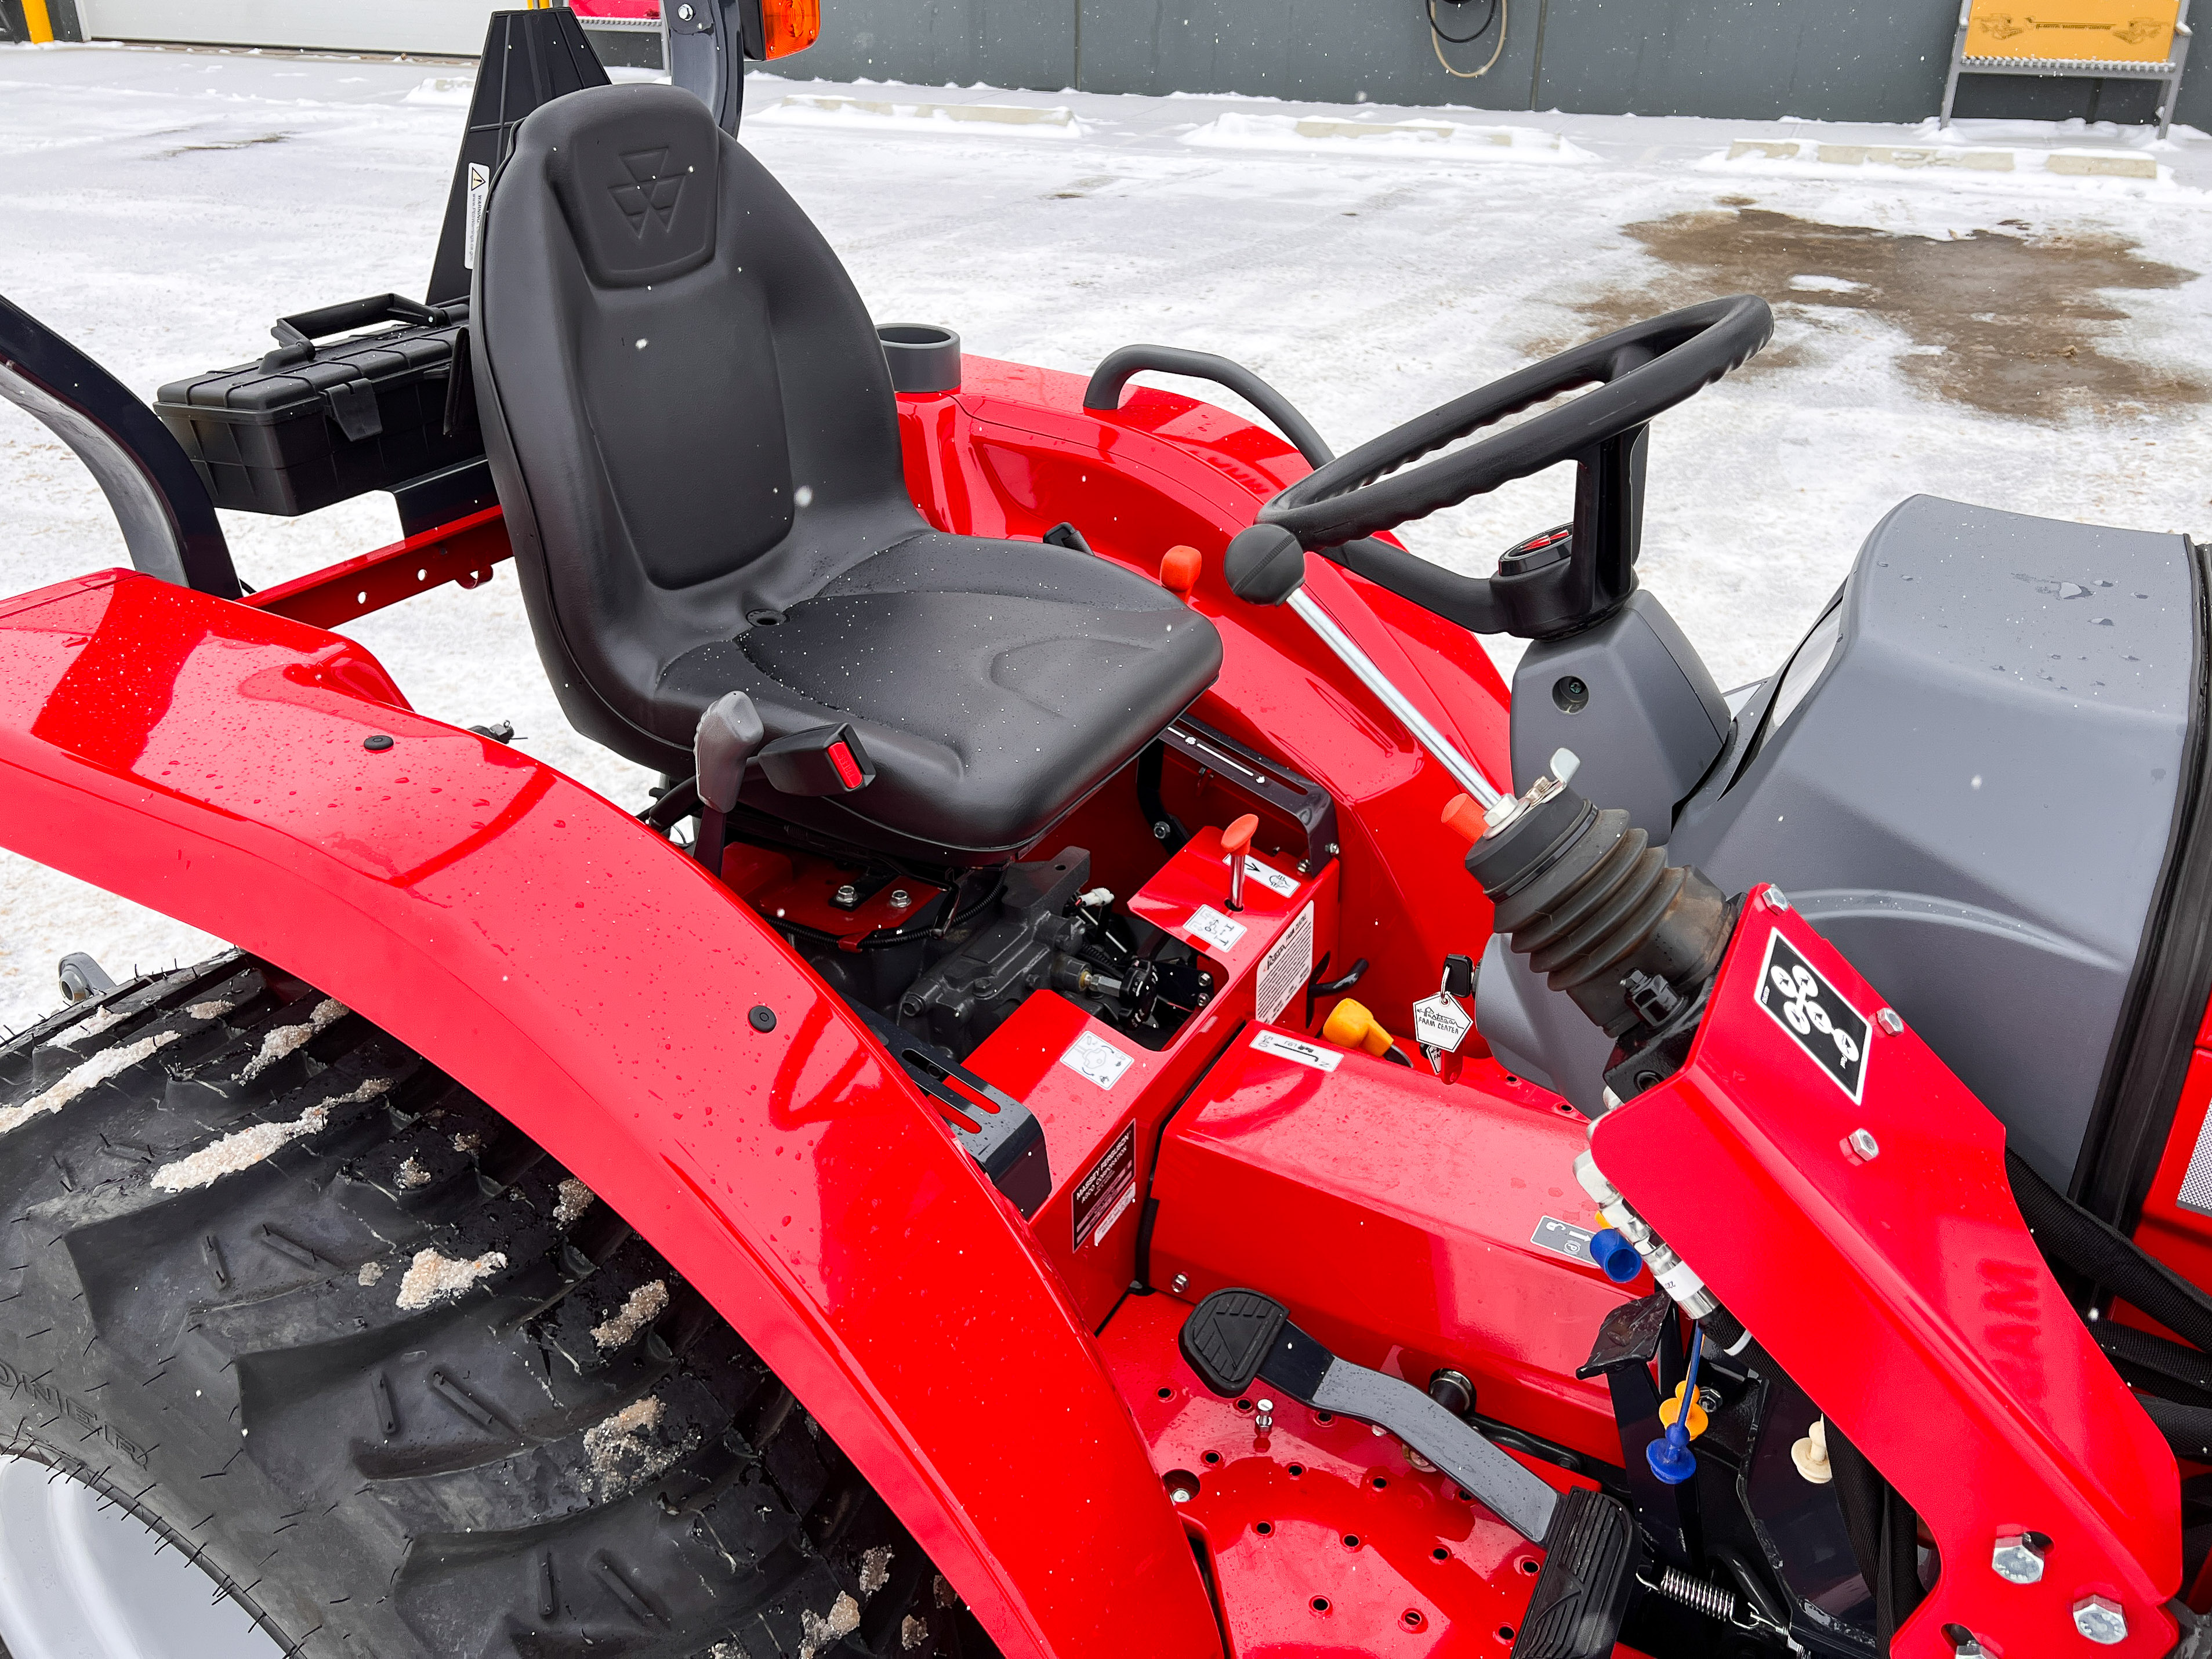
{"x": 685, "y": 405}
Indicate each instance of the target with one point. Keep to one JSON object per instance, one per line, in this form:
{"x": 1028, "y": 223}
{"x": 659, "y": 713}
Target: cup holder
{"x": 923, "y": 357}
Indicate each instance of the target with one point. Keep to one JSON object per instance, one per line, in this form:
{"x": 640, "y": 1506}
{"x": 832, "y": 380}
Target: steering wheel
{"x": 1550, "y": 585}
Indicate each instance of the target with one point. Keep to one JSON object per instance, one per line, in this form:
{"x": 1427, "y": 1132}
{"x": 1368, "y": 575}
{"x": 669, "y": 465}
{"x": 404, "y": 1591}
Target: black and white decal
{"x": 1815, "y": 1013}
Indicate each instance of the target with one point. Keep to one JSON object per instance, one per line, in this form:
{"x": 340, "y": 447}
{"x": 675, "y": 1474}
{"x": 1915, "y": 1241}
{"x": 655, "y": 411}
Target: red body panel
{"x": 1924, "y": 1322}
{"x": 563, "y": 962}
{"x": 1396, "y": 1216}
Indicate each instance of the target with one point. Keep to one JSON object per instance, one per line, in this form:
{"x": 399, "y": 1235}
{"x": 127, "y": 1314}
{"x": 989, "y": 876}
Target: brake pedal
{"x": 1235, "y": 1336}
{"x": 1589, "y": 1572}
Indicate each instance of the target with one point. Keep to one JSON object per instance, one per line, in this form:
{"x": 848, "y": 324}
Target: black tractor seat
{"x": 690, "y": 424}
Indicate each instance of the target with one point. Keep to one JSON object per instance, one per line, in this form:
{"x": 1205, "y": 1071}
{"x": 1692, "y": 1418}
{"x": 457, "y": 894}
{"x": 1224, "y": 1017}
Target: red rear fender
{"x": 207, "y": 760}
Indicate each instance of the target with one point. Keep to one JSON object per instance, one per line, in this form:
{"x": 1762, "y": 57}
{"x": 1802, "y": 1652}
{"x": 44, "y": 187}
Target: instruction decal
{"x": 1816, "y": 1014}
{"x": 1209, "y": 924}
{"x": 1108, "y": 1190}
{"x": 1563, "y": 1237}
{"x": 1091, "y": 1056}
{"x": 1285, "y": 969}
{"x": 1268, "y": 877}
{"x": 1286, "y": 1046}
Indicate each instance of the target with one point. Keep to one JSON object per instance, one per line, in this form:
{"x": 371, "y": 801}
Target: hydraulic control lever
{"x": 1234, "y": 1337}
{"x": 1266, "y": 565}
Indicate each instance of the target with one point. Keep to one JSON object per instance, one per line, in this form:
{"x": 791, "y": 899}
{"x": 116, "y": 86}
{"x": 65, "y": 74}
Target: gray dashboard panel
{"x": 1973, "y": 803}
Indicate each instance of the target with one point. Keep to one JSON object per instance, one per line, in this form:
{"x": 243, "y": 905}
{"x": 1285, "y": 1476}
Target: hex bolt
{"x": 1776, "y": 899}
{"x": 1889, "y": 1020}
{"x": 1863, "y": 1143}
{"x": 684, "y": 14}
{"x": 1182, "y": 1283}
{"x": 848, "y": 895}
{"x": 1965, "y": 1644}
{"x": 1263, "y": 1415}
{"x": 2101, "y": 1619}
{"x": 901, "y": 898}
{"x": 2018, "y": 1558}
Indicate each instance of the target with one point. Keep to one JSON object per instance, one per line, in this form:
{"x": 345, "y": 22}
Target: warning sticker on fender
{"x": 1816, "y": 1014}
{"x": 1108, "y": 1190}
{"x": 1285, "y": 969}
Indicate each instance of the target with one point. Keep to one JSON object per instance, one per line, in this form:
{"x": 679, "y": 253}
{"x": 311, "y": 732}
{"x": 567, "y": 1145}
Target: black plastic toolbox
{"x": 311, "y": 424}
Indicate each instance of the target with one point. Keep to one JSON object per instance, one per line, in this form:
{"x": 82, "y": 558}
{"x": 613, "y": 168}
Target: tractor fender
{"x": 226, "y": 767}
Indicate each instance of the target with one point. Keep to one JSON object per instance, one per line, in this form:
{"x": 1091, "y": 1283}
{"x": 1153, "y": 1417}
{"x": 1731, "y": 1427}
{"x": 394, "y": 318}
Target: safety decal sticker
{"x": 1284, "y": 1047}
{"x": 1816, "y": 1014}
{"x": 1285, "y": 969}
{"x": 1110, "y": 1188}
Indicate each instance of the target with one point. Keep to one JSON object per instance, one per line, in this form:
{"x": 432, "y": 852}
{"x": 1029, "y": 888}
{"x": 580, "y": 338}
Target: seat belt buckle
{"x": 823, "y": 760}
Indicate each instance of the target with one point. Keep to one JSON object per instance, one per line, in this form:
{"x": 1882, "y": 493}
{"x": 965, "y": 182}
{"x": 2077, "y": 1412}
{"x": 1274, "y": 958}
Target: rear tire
{"x": 390, "y": 1374}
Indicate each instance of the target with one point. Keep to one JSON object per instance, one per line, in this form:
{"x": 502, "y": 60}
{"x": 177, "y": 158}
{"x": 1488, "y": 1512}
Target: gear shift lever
{"x": 729, "y": 731}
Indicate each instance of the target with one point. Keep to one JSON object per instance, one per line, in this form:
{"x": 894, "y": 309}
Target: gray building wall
{"x": 1746, "y": 59}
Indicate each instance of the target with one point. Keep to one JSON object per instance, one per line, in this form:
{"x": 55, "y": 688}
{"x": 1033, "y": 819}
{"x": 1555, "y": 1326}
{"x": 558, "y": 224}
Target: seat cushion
{"x": 994, "y": 683}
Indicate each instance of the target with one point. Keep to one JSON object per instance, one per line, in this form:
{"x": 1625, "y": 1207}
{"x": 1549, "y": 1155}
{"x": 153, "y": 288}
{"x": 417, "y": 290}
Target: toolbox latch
{"x": 353, "y": 406}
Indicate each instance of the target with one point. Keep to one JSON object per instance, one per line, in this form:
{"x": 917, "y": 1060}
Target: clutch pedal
{"x": 1235, "y": 1336}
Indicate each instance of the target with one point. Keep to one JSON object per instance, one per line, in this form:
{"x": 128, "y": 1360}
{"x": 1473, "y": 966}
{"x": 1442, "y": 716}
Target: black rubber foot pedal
{"x": 1590, "y": 1570}
{"x": 1230, "y": 1335}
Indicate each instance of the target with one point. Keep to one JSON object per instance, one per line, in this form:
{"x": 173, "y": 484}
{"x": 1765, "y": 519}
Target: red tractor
{"x": 1123, "y": 1098}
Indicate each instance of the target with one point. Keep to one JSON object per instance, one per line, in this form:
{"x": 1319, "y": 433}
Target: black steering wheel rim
{"x": 1639, "y": 372}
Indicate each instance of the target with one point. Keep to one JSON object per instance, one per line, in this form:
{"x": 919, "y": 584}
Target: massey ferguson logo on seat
{"x": 1816, "y": 1014}
{"x": 648, "y": 195}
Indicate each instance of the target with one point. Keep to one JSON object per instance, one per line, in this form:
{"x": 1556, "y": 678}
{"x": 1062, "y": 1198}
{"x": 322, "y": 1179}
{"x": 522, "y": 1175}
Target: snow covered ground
{"x": 1994, "y": 315}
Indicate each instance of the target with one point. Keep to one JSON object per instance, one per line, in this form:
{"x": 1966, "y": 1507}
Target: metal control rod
{"x": 1463, "y": 770}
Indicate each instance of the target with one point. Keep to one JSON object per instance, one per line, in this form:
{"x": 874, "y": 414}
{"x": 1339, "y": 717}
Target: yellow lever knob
{"x": 1352, "y": 1026}
{"x": 1671, "y": 1408}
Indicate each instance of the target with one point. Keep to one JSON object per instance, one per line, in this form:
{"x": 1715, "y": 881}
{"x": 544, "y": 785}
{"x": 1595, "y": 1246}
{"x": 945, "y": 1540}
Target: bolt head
{"x": 901, "y": 898}
{"x": 1776, "y": 899}
{"x": 2101, "y": 1619}
{"x": 2017, "y": 1560}
{"x": 1889, "y": 1020}
{"x": 1182, "y": 1284}
{"x": 1863, "y": 1143}
{"x": 848, "y": 893}
{"x": 684, "y": 14}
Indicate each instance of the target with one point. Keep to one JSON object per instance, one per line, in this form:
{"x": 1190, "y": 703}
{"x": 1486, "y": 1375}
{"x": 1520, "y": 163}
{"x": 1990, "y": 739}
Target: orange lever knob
{"x": 1179, "y": 569}
{"x": 1235, "y": 842}
{"x": 1464, "y": 819}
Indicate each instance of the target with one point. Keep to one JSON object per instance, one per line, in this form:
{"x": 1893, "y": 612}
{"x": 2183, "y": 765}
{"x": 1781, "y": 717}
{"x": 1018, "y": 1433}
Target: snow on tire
{"x": 390, "y": 1375}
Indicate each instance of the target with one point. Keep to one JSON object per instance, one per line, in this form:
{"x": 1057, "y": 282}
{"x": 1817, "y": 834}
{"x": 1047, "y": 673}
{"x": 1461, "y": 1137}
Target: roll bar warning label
{"x": 1816, "y": 1014}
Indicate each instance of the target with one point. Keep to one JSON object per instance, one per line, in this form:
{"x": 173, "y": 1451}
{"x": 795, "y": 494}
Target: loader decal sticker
{"x": 1816, "y": 1014}
{"x": 1108, "y": 1190}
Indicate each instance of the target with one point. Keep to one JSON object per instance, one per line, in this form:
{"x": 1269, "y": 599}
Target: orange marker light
{"x": 1179, "y": 569}
{"x": 790, "y": 26}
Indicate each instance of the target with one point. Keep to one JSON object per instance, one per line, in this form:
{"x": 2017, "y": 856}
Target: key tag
{"x": 1442, "y": 1022}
